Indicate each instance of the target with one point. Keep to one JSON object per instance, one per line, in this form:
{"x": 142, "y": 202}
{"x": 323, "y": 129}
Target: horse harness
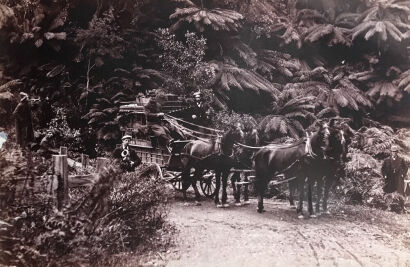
{"x": 217, "y": 150}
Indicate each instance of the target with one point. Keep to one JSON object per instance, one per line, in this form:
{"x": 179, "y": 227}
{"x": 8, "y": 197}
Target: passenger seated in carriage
{"x": 127, "y": 157}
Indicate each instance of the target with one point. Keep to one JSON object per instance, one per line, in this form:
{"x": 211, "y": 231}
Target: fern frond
{"x": 384, "y": 91}
{"x": 404, "y": 81}
{"x": 218, "y": 19}
{"x": 347, "y": 20}
{"x": 362, "y": 28}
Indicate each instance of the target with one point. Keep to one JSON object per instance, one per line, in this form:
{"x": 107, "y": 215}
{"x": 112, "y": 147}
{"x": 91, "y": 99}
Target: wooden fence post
{"x": 101, "y": 163}
{"x": 85, "y": 159}
{"x": 61, "y": 172}
{"x": 63, "y": 150}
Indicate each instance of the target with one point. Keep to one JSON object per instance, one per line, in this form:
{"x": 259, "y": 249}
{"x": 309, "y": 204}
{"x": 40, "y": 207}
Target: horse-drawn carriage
{"x": 152, "y": 141}
{"x": 213, "y": 149}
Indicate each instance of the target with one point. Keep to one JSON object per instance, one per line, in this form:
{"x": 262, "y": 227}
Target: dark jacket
{"x": 127, "y": 163}
{"x": 24, "y": 126}
{"x": 394, "y": 172}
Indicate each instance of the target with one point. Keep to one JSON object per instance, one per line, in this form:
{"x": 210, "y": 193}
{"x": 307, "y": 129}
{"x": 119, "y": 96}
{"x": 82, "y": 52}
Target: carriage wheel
{"x": 208, "y": 184}
{"x": 175, "y": 181}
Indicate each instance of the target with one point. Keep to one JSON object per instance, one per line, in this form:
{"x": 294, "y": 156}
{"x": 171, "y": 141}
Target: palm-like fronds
{"x": 271, "y": 62}
{"x": 230, "y": 76}
{"x": 384, "y": 19}
{"x": 347, "y": 95}
{"x": 335, "y": 35}
{"x": 374, "y": 141}
{"x": 289, "y": 115}
{"x": 404, "y": 81}
{"x": 218, "y": 19}
{"x": 333, "y": 93}
{"x": 384, "y": 91}
{"x": 242, "y": 50}
{"x": 317, "y": 74}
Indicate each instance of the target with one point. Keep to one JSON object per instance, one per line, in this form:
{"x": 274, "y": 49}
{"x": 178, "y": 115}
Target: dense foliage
{"x": 276, "y": 66}
{"x": 118, "y": 213}
{"x": 250, "y": 56}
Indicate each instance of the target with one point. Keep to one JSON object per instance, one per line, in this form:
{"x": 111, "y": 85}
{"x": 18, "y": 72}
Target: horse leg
{"x": 328, "y": 184}
{"x": 300, "y": 184}
{"x": 224, "y": 185}
{"x": 319, "y": 190}
{"x": 292, "y": 190}
{"x": 246, "y": 191}
{"x": 236, "y": 193}
{"x": 218, "y": 186}
{"x": 310, "y": 202}
{"x": 260, "y": 190}
{"x": 197, "y": 176}
{"x": 186, "y": 182}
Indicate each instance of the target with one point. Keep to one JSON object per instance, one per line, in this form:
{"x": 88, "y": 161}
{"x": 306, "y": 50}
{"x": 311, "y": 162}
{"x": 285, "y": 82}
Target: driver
{"x": 126, "y": 156}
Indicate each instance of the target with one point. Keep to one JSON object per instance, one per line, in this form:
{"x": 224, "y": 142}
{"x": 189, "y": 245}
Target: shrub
{"x": 119, "y": 213}
{"x": 364, "y": 183}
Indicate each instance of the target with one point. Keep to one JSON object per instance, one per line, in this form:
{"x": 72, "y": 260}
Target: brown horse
{"x": 324, "y": 171}
{"x": 291, "y": 160}
{"x": 215, "y": 154}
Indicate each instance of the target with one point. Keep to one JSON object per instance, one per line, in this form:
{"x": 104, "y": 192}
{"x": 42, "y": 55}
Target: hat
{"x": 394, "y": 148}
{"x": 126, "y": 137}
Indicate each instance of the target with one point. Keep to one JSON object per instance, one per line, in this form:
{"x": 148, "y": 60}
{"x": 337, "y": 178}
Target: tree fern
{"x": 335, "y": 35}
{"x": 383, "y": 19}
{"x": 218, "y": 19}
{"x": 404, "y": 81}
{"x": 270, "y": 63}
{"x": 290, "y": 112}
{"x": 231, "y": 76}
{"x": 384, "y": 91}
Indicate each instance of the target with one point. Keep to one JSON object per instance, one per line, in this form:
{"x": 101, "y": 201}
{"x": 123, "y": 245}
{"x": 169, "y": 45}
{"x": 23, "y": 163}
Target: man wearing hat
{"x": 199, "y": 110}
{"x": 24, "y": 125}
{"x": 394, "y": 170}
{"x": 46, "y": 145}
{"x": 127, "y": 157}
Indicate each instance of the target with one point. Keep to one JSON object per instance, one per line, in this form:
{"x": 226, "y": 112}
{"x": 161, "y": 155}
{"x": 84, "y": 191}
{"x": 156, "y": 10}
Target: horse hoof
{"x": 292, "y": 207}
{"x": 238, "y": 204}
{"x": 260, "y": 210}
{"x": 312, "y": 216}
{"x": 219, "y": 205}
{"x": 225, "y": 205}
{"x": 246, "y": 202}
{"x": 300, "y": 216}
{"x": 326, "y": 212}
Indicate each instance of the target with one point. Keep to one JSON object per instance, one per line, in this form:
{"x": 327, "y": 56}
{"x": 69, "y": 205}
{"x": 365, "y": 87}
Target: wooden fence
{"x": 61, "y": 181}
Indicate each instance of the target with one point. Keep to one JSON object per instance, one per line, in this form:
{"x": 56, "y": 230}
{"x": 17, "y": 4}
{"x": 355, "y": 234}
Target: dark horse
{"x": 290, "y": 159}
{"x": 323, "y": 171}
{"x": 215, "y": 154}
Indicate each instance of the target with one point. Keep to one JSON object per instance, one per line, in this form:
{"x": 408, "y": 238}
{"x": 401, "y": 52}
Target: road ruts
{"x": 238, "y": 236}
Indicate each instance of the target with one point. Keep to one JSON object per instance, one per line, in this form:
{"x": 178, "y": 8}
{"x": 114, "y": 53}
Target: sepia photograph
{"x": 205, "y": 133}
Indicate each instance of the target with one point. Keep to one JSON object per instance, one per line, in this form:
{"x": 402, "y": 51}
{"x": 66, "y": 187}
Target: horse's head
{"x": 339, "y": 140}
{"x": 320, "y": 139}
{"x": 235, "y": 134}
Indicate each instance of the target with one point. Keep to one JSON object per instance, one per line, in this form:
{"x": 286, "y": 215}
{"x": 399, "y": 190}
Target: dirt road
{"x": 239, "y": 236}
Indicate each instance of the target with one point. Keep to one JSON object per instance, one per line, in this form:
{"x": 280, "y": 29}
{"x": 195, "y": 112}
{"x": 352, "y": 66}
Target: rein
{"x": 193, "y": 124}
